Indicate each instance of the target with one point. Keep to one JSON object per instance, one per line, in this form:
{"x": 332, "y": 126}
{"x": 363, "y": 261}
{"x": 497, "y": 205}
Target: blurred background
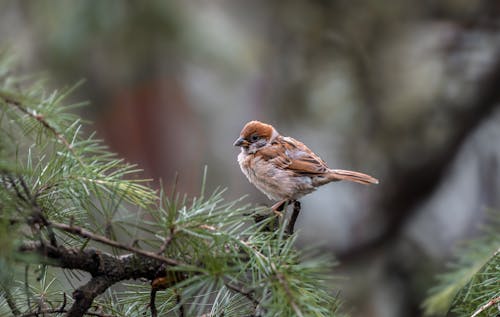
{"x": 407, "y": 91}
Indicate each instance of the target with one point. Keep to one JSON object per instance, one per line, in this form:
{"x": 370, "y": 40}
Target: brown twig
{"x": 167, "y": 241}
{"x": 248, "y": 294}
{"x": 59, "y": 311}
{"x": 296, "y": 210}
{"x": 152, "y": 305}
{"x": 40, "y": 118}
{"x": 288, "y": 291}
{"x": 65, "y": 301}
{"x": 486, "y": 306}
{"x": 87, "y": 234}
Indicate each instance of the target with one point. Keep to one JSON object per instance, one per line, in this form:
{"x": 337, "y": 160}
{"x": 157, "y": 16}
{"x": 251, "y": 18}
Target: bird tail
{"x": 338, "y": 175}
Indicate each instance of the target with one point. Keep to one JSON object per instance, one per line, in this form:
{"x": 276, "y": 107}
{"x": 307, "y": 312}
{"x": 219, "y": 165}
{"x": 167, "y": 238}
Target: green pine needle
{"x": 473, "y": 280}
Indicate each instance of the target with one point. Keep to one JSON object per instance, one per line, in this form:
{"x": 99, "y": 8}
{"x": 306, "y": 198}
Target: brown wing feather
{"x": 288, "y": 153}
{"x": 273, "y": 154}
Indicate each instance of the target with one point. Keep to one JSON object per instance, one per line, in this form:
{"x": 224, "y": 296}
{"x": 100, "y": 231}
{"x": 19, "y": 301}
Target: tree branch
{"x": 59, "y": 311}
{"x": 95, "y": 262}
{"x": 84, "y": 296}
{"x": 105, "y": 269}
{"x": 89, "y": 235}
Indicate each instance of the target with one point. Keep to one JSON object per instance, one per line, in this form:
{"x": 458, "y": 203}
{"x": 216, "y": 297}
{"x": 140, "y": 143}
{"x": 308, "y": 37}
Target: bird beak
{"x": 241, "y": 142}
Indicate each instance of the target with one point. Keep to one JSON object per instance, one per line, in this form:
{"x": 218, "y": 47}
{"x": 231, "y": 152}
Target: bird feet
{"x": 279, "y": 207}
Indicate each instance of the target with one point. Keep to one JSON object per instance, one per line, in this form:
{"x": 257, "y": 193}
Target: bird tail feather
{"x": 352, "y": 176}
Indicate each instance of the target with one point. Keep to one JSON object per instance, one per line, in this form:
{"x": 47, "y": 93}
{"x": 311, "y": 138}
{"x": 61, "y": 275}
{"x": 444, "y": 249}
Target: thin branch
{"x": 288, "y": 291}
{"x": 296, "y": 210}
{"x": 89, "y": 235}
{"x": 152, "y": 305}
{"x": 178, "y": 300}
{"x": 167, "y": 241}
{"x": 63, "y": 305}
{"x": 27, "y": 192}
{"x": 248, "y": 294}
{"x": 40, "y": 118}
{"x": 10, "y": 301}
{"x": 486, "y": 306}
{"x": 26, "y": 285}
{"x": 37, "y": 214}
{"x": 14, "y": 185}
{"x": 59, "y": 311}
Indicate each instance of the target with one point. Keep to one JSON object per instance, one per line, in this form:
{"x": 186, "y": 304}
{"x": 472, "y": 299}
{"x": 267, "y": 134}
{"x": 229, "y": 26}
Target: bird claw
{"x": 278, "y": 213}
{"x": 279, "y": 207}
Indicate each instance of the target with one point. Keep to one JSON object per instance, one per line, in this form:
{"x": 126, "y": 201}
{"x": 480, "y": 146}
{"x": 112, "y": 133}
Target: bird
{"x": 283, "y": 168}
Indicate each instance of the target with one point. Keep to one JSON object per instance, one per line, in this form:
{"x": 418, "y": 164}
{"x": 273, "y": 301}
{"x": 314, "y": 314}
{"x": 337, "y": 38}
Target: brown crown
{"x": 257, "y": 127}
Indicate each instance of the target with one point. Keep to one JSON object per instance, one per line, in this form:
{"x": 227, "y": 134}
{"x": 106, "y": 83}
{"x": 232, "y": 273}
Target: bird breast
{"x": 274, "y": 182}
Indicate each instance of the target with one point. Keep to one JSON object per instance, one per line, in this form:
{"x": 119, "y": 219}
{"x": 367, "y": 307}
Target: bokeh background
{"x": 407, "y": 91}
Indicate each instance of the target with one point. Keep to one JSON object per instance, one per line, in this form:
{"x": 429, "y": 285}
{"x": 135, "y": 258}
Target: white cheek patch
{"x": 251, "y": 149}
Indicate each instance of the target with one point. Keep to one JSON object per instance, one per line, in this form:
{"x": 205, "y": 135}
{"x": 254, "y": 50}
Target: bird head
{"x": 255, "y": 134}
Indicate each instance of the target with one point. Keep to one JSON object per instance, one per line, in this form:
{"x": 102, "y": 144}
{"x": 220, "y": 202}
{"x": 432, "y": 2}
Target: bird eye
{"x": 254, "y": 137}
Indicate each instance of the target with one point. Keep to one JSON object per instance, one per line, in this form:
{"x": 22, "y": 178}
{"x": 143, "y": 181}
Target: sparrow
{"x": 283, "y": 168}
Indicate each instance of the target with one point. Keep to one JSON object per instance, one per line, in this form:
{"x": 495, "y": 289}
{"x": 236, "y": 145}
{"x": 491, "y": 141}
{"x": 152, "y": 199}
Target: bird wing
{"x": 289, "y": 154}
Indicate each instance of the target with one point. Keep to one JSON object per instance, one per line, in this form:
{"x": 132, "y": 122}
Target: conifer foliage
{"x": 471, "y": 287}
{"x": 81, "y": 234}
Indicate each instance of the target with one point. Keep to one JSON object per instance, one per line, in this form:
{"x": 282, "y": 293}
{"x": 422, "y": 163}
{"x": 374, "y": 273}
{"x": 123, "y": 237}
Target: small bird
{"x": 283, "y": 168}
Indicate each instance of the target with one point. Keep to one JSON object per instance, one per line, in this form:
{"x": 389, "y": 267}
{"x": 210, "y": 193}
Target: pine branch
{"x": 105, "y": 269}
{"x": 95, "y": 262}
{"x": 84, "y": 295}
{"x": 96, "y": 166}
{"x": 286, "y": 287}
{"x": 40, "y": 118}
{"x": 486, "y": 306}
{"x": 87, "y": 234}
{"x": 59, "y": 311}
